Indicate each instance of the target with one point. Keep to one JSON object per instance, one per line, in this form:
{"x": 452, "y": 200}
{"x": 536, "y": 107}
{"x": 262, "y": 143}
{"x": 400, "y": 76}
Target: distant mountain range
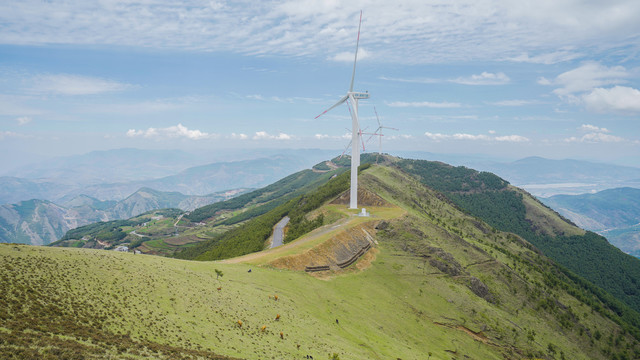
{"x": 613, "y": 213}
{"x": 547, "y": 177}
{"x": 40, "y": 222}
{"x": 119, "y": 165}
{"x": 116, "y": 174}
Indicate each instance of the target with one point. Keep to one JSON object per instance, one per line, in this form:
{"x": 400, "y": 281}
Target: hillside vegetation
{"x": 163, "y": 232}
{"x": 251, "y": 236}
{"x": 489, "y": 198}
{"x": 437, "y": 283}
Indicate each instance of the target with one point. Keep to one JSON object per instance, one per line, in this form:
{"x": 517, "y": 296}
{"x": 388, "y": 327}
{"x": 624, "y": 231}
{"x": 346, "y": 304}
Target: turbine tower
{"x": 353, "y": 97}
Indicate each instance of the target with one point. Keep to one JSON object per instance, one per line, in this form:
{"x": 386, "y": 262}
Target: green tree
{"x": 219, "y": 273}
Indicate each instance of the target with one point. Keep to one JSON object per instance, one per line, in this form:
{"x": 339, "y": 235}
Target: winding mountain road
{"x": 278, "y": 232}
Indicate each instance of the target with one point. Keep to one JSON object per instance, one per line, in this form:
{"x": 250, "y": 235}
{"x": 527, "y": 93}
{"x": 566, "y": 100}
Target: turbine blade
{"x": 345, "y": 150}
{"x": 343, "y": 99}
{"x": 353, "y": 75}
{"x": 374, "y": 134}
{"x": 377, "y": 118}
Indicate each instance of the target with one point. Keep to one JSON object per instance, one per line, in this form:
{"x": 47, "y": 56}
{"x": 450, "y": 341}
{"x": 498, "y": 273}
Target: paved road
{"x": 278, "y": 233}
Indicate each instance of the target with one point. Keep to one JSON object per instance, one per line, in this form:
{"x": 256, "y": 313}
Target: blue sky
{"x": 509, "y": 79}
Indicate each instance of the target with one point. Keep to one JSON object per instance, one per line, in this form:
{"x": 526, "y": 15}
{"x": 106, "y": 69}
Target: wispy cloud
{"x": 11, "y": 134}
{"x": 595, "y": 134}
{"x": 68, "y": 84}
{"x": 239, "y": 136}
{"x": 476, "y": 137}
{"x": 263, "y": 135}
{"x": 547, "y": 58}
{"x": 588, "y": 76}
{"x": 596, "y": 138}
{"x": 592, "y": 128}
{"x": 406, "y": 32}
{"x": 346, "y": 56}
{"x": 280, "y": 99}
{"x": 587, "y": 85}
{"x": 485, "y": 78}
{"x": 419, "y": 80}
{"x": 23, "y": 120}
{"x": 427, "y": 104}
{"x": 178, "y": 131}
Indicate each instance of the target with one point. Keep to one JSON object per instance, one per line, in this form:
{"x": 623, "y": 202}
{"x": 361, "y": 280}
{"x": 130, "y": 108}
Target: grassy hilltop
{"x": 436, "y": 283}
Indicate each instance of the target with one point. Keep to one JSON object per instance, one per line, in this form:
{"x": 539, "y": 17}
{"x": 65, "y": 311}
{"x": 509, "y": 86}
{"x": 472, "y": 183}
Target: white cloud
{"x": 478, "y": 137}
{"x": 485, "y": 78}
{"x": 511, "y": 138}
{"x": 346, "y": 56}
{"x": 585, "y": 85}
{"x": 11, "y": 134}
{"x": 239, "y": 136}
{"x": 23, "y": 120}
{"x": 593, "y": 128}
{"x": 596, "y": 138}
{"x": 321, "y": 136}
{"x": 178, "y": 131}
{"x": 615, "y": 99}
{"x": 588, "y": 76}
{"x": 428, "y": 104}
{"x": 400, "y": 31}
{"x": 67, "y": 84}
{"x": 436, "y": 136}
{"x": 547, "y": 58}
{"x": 263, "y": 135}
{"x": 470, "y": 137}
{"x": 544, "y": 81}
{"x": 595, "y": 134}
{"x": 412, "y": 80}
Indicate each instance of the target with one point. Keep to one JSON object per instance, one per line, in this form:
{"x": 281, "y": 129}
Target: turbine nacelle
{"x": 359, "y": 95}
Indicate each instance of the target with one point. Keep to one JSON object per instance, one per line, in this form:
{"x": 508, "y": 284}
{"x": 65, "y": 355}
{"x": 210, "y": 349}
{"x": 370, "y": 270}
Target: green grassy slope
{"x": 442, "y": 285}
{"x": 171, "y": 234}
{"x": 251, "y": 236}
{"x": 490, "y": 198}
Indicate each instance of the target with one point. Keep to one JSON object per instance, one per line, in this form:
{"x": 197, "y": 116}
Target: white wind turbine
{"x": 353, "y": 97}
{"x": 378, "y": 133}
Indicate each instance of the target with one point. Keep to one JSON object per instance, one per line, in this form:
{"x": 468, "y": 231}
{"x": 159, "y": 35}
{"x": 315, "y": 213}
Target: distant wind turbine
{"x": 378, "y": 133}
{"x": 353, "y": 97}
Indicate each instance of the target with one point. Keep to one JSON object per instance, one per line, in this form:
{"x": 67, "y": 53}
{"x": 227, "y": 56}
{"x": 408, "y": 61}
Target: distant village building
{"x": 122, "y": 248}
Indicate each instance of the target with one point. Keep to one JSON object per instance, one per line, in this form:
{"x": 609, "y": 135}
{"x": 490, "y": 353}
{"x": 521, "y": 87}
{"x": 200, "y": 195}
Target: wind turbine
{"x": 353, "y": 97}
{"x": 378, "y": 132}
